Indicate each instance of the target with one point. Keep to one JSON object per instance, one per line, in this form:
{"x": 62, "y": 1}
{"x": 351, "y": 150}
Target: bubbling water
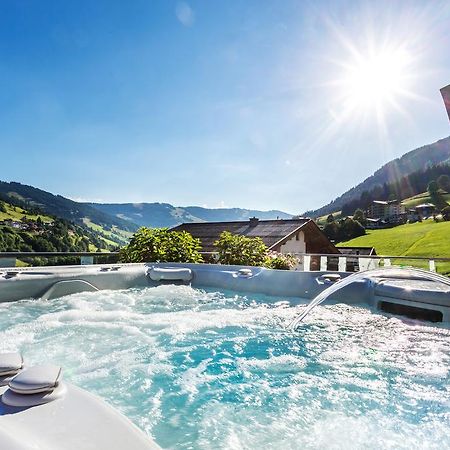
{"x": 200, "y": 369}
{"x": 368, "y": 275}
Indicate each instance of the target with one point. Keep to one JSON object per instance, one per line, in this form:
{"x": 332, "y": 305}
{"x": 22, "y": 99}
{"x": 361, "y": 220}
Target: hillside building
{"x": 284, "y": 236}
{"x": 380, "y": 209}
{"x": 425, "y": 210}
{"x": 386, "y": 213}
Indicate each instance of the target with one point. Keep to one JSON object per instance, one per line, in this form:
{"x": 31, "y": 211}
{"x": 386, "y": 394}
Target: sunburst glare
{"x": 371, "y": 82}
{"x": 376, "y": 80}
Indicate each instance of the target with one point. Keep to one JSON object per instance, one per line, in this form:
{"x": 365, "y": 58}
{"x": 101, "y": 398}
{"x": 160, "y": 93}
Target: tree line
{"x": 407, "y": 186}
{"x": 58, "y": 236}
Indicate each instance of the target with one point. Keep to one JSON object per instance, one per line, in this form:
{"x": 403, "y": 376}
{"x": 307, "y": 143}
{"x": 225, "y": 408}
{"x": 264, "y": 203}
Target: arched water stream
{"x": 368, "y": 275}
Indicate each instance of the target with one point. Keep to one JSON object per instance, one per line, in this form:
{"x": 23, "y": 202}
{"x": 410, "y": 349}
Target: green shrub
{"x": 444, "y": 182}
{"x": 432, "y": 187}
{"x": 280, "y": 261}
{"x": 344, "y": 230}
{"x": 446, "y": 213}
{"x": 333, "y": 231}
{"x": 241, "y": 250}
{"x": 161, "y": 245}
{"x": 360, "y": 216}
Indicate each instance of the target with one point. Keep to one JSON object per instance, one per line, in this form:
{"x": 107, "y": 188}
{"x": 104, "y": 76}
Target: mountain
{"x": 25, "y": 231}
{"x": 413, "y": 161}
{"x": 113, "y": 230}
{"x": 60, "y": 206}
{"x": 406, "y": 187}
{"x": 166, "y": 215}
{"x": 115, "y": 222}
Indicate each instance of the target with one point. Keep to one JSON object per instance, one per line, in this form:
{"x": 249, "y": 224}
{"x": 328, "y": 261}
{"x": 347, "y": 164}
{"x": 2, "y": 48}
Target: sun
{"x": 375, "y": 80}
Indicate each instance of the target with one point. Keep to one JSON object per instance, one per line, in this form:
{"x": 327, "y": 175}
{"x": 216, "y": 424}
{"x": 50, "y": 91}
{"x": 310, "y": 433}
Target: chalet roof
{"x": 270, "y": 231}
{"x": 426, "y": 205}
{"x": 365, "y": 251}
{"x": 385, "y": 202}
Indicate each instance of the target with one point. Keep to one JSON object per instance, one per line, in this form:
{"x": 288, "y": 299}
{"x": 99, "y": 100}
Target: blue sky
{"x": 217, "y": 103}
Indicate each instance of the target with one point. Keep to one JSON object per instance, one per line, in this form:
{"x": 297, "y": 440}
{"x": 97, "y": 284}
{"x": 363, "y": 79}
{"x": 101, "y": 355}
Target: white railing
{"x": 9, "y": 259}
{"x": 355, "y": 263}
{"x": 306, "y": 261}
{"x": 352, "y": 263}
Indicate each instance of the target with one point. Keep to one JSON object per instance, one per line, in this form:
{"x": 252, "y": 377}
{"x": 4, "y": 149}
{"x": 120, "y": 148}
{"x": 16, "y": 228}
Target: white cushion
{"x": 36, "y": 379}
{"x": 170, "y": 273}
{"x": 10, "y": 363}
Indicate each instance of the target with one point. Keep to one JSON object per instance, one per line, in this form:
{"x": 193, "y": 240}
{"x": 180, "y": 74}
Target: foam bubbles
{"x": 203, "y": 369}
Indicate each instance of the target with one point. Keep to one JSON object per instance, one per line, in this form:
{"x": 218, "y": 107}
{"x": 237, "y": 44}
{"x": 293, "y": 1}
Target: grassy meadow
{"x": 16, "y": 213}
{"x": 427, "y": 238}
{"x": 422, "y": 198}
{"x": 115, "y": 233}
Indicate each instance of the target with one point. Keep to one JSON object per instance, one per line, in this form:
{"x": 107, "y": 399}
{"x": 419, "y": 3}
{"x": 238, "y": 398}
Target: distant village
{"x": 385, "y": 214}
{"x": 26, "y": 224}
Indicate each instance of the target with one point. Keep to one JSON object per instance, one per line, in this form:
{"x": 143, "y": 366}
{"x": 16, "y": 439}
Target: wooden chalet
{"x": 284, "y": 236}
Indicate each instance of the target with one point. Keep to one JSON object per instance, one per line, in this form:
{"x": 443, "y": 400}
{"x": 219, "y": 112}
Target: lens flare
{"x": 376, "y": 80}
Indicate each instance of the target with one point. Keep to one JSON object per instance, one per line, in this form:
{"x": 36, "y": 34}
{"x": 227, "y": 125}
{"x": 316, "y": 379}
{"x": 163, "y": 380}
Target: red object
{"x": 445, "y": 91}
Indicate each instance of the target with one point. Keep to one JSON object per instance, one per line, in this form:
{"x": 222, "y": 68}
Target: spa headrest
{"x": 169, "y": 273}
{"x": 35, "y": 386}
{"x": 10, "y": 363}
{"x": 36, "y": 379}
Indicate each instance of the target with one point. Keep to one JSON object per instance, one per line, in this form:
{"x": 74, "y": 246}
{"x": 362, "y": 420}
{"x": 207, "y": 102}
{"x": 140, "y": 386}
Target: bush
{"x": 344, "y": 230}
{"x": 359, "y": 216}
{"x": 332, "y": 231}
{"x": 280, "y": 261}
{"x": 446, "y": 213}
{"x": 432, "y": 187}
{"x": 161, "y": 245}
{"x": 444, "y": 182}
{"x": 241, "y": 250}
{"x": 438, "y": 200}
{"x": 350, "y": 229}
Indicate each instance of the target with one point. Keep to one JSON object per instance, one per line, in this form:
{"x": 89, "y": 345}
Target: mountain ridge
{"x": 58, "y": 205}
{"x": 117, "y": 217}
{"x": 425, "y": 156}
{"x": 127, "y": 217}
{"x": 167, "y": 215}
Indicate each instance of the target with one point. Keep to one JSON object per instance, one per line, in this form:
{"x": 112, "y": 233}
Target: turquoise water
{"x": 200, "y": 369}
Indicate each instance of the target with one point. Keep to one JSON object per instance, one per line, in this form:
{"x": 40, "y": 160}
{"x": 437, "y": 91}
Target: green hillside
{"x": 167, "y": 215}
{"x": 428, "y": 239}
{"x": 22, "y": 230}
{"x": 113, "y": 230}
{"x": 408, "y": 203}
{"x": 424, "y": 197}
{"x": 117, "y": 222}
{"x": 322, "y": 220}
{"x": 416, "y": 160}
{"x": 112, "y": 236}
{"x": 16, "y": 213}
{"x": 32, "y": 198}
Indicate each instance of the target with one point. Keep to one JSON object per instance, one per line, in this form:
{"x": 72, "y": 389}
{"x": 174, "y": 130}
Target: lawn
{"x": 16, "y": 213}
{"x": 122, "y": 235}
{"x": 322, "y": 220}
{"x": 422, "y": 198}
{"x": 427, "y": 238}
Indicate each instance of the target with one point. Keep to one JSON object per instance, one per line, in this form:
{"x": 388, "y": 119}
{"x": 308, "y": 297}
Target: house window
{"x": 297, "y": 237}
